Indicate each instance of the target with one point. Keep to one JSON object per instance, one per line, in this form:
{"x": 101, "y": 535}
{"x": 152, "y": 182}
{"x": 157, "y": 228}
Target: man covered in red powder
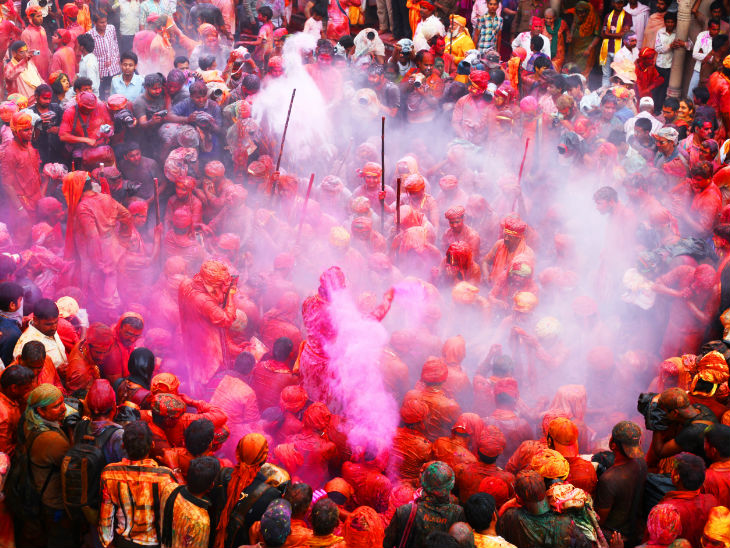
{"x": 207, "y": 310}
{"x": 460, "y": 232}
{"x": 469, "y": 476}
{"x": 717, "y": 475}
{"x": 21, "y": 181}
{"x": 459, "y": 265}
{"x": 168, "y": 413}
{"x": 86, "y": 358}
{"x": 411, "y": 449}
{"x": 127, "y": 331}
{"x": 270, "y": 377}
{"x": 562, "y": 436}
{"x": 498, "y": 260}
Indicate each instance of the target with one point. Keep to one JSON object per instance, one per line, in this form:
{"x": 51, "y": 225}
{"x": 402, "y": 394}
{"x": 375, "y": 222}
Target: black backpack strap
{"x": 52, "y": 467}
{"x": 167, "y": 514}
{"x": 101, "y": 440}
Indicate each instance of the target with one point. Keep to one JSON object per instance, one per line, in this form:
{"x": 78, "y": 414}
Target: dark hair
{"x": 33, "y": 352}
{"x": 282, "y": 348}
{"x": 542, "y": 61}
{"x": 96, "y": 15}
{"x": 198, "y": 436}
{"x": 718, "y": 436}
{"x": 346, "y": 41}
{"x": 244, "y": 363}
{"x": 202, "y": 474}
{"x": 325, "y": 516}
{"x": 198, "y": 88}
{"x": 573, "y": 81}
{"x": 43, "y": 88}
{"x": 251, "y": 83}
{"x": 153, "y": 79}
{"x": 82, "y": 82}
{"x": 7, "y": 266}
{"x": 643, "y": 123}
{"x": 137, "y": 440}
{"x": 440, "y": 539}
{"x": 15, "y": 46}
{"x": 317, "y": 10}
{"x": 672, "y": 102}
{"x": 609, "y": 98}
{"x": 479, "y": 510}
{"x": 86, "y": 42}
{"x": 266, "y": 12}
{"x": 16, "y": 375}
{"x": 713, "y": 21}
{"x": 701, "y": 169}
{"x": 497, "y": 76}
{"x": 717, "y": 5}
{"x": 536, "y": 43}
{"x": 299, "y": 496}
{"x": 206, "y": 61}
{"x": 502, "y": 366}
{"x": 719, "y": 41}
{"x": 606, "y": 193}
{"x": 702, "y": 95}
{"x": 128, "y": 147}
{"x": 691, "y": 470}
{"x": 670, "y": 16}
{"x": 10, "y": 292}
{"x": 129, "y": 55}
{"x": 180, "y": 59}
{"x": 133, "y": 321}
{"x": 45, "y": 309}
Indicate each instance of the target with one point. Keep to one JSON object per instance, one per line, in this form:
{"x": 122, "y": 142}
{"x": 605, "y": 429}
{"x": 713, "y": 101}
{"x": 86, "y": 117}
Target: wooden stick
{"x": 382, "y": 175}
{"x": 397, "y": 205}
{"x": 283, "y": 137}
{"x": 157, "y": 201}
{"x": 519, "y": 176}
{"x": 304, "y": 207}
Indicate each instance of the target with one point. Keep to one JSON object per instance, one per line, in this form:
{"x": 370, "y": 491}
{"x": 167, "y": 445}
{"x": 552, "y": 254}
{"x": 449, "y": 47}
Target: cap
{"x": 565, "y": 436}
{"x": 168, "y": 405}
{"x": 673, "y": 398}
{"x": 647, "y": 102}
{"x": 628, "y": 435}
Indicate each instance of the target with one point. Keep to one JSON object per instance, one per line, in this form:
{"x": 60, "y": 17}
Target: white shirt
{"x": 54, "y": 346}
{"x": 522, "y": 40}
{"x": 702, "y": 48}
{"x": 639, "y": 19}
{"x": 89, "y": 67}
{"x": 626, "y": 53}
{"x": 631, "y": 122}
{"x": 128, "y": 17}
{"x": 313, "y": 27}
{"x": 664, "y": 52}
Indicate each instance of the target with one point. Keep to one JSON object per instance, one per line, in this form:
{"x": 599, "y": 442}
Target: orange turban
{"x": 21, "y": 120}
{"x": 164, "y": 383}
{"x": 415, "y": 183}
{"x": 712, "y": 368}
{"x": 434, "y": 371}
{"x": 413, "y": 411}
{"x": 492, "y": 442}
{"x": 215, "y": 273}
{"x": 717, "y": 526}
{"x": 550, "y": 464}
{"x": 364, "y": 528}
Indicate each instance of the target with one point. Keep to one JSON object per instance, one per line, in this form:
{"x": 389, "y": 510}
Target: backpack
{"x": 82, "y": 466}
{"x": 22, "y": 498}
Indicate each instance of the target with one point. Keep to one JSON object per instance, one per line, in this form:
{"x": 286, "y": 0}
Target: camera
{"x": 36, "y": 52}
{"x": 489, "y": 92}
{"x": 124, "y": 117}
{"x": 161, "y": 113}
{"x": 556, "y": 118}
{"x": 418, "y": 80}
{"x": 562, "y": 148}
{"x": 216, "y": 94}
{"x": 655, "y": 418}
{"x": 370, "y": 35}
{"x": 42, "y": 3}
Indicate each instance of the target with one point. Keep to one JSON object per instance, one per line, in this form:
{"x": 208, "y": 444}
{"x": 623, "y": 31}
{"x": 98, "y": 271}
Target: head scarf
{"x": 588, "y": 27}
{"x": 30, "y": 11}
{"x": 437, "y": 479}
{"x": 21, "y": 120}
{"x": 276, "y": 522}
{"x": 40, "y": 396}
{"x": 317, "y": 417}
{"x": 251, "y": 452}
{"x": 413, "y": 411}
{"x": 454, "y": 350}
{"x": 101, "y": 398}
{"x": 293, "y": 398}
{"x": 168, "y": 405}
{"x": 364, "y": 528}
{"x": 550, "y": 464}
{"x": 664, "y": 524}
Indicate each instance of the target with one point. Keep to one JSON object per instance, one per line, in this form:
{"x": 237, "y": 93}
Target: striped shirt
{"x": 106, "y": 50}
{"x": 489, "y": 27}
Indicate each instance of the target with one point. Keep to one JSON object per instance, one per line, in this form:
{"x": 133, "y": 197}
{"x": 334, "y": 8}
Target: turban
{"x": 229, "y": 242}
{"x": 293, "y": 398}
{"x": 464, "y": 293}
{"x": 164, "y": 383}
{"x": 717, "y": 526}
{"x": 214, "y": 273}
{"x": 448, "y": 182}
{"x": 67, "y": 307}
{"x": 86, "y": 99}
{"x": 206, "y": 29}
{"x": 116, "y": 102}
{"x": 456, "y": 212}
{"x": 437, "y": 479}
{"x": 276, "y": 522}
{"x": 280, "y": 33}
{"x": 492, "y": 442}
{"x": 101, "y": 398}
{"x": 514, "y": 226}
{"x": 713, "y": 368}
{"x": 427, "y": 5}
{"x": 339, "y": 485}
{"x": 479, "y": 78}
{"x": 525, "y": 301}
{"x": 70, "y": 10}
{"x": 66, "y": 38}
{"x": 55, "y": 171}
{"x": 371, "y": 169}
{"x": 565, "y": 496}
{"x": 528, "y": 105}
{"x": 434, "y": 371}
{"x": 454, "y": 350}
{"x": 100, "y": 335}
{"x": 138, "y": 207}
{"x": 360, "y": 205}
{"x": 507, "y": 385}
{"x": 362, "y": 225}
{"x": 413, "y": 411}
{"x": 30, "y": 11}
{"x": 7, "y": 109}
{"x": 664, "y": 524}
{"x": 459, "y": 20}
{"x": 364, "y": 528}
{"x": 668, "y": 133}
{"x": 339, "y": 237}
{"x": 168, "y": 405}
{"x": 21, "y": 120}
{"x": 548, "y": 327}
{"x": 215, "y": 169}
{"x": 496, "y": 487}
{"x": 331, "y": 183}
{"x": 40, "y": 396}
{"x": 182, "y": 218}
{"x": 726, "y": 62}
{"x": 317, "y": 417}
{"x": 564, "y": 434}
{"x": 415, "y": 183}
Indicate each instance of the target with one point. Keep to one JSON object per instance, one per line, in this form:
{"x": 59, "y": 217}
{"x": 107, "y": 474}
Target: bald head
{"x": 463, "y": 534}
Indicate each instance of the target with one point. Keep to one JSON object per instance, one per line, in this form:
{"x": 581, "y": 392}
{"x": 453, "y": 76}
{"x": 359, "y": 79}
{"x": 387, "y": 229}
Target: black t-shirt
{"x": 620, "y": 489}
{"x": 691, "y": 438}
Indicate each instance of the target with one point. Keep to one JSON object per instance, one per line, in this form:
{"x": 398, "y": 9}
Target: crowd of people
{"x": 202, "y": 207}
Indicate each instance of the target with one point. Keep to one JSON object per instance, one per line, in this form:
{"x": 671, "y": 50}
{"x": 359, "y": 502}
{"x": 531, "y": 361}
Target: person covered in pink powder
{"x": 313, "y": 360}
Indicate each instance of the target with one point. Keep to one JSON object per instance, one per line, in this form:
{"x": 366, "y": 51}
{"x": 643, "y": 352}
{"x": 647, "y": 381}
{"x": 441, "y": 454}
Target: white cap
{"x": 646, "y": 102}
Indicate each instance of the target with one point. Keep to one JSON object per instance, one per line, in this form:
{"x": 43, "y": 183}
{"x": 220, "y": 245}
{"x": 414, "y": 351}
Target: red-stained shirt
{"x": 85, "y": 125}
{"x": 706, "y": 207}
{"x": 9, "y": 418}
{"x": 21, "y": 171}
{"x": 469, "y": 476}
{"x": 719, "y": 88}
{"x": 693, "y": 509}
{"x": 582, "y": 475}
{"x": 717, "y": 482}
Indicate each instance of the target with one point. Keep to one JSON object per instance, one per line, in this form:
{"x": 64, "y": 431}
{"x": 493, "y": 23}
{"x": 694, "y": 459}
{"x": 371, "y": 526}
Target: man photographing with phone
{"x": 21, "y": 73}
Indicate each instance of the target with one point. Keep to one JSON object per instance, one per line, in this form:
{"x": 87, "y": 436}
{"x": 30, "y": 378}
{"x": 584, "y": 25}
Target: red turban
{"x": 214, "y": 273}
{"x": 507, "y": 385}
{"x": 371, "y": 169}
{"x": 479, "y": 78}
{"x": 86, "y": 99}
{"x": 317, "y": 417}
{"x": 30, "y": 11}
{"x": 435, "y": 371}
{"x": 66, "y": 38}
{"x": 70, "y": 10}
{"x": 456, "y": 212}
{"x": 101, "y": 398}
{"x": 427, "y": 5}
{"x": 448, "y": 182}
{"x": 415, "y": 183}
{"x": 537, "y": 22}
{"x": 293, "y": 398}
{"x": 21, "y": 120}
{"x": 215, "y": 169}
{"x": 492, "y": 441}
{"x": 137, "y": 207}
{"x": 206, "y": 29}
{"x": 514, "y": 225}
{"x": 496, "y": 487}
{"x": 100, "y": 335}
{"x": 413, "y": 411}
